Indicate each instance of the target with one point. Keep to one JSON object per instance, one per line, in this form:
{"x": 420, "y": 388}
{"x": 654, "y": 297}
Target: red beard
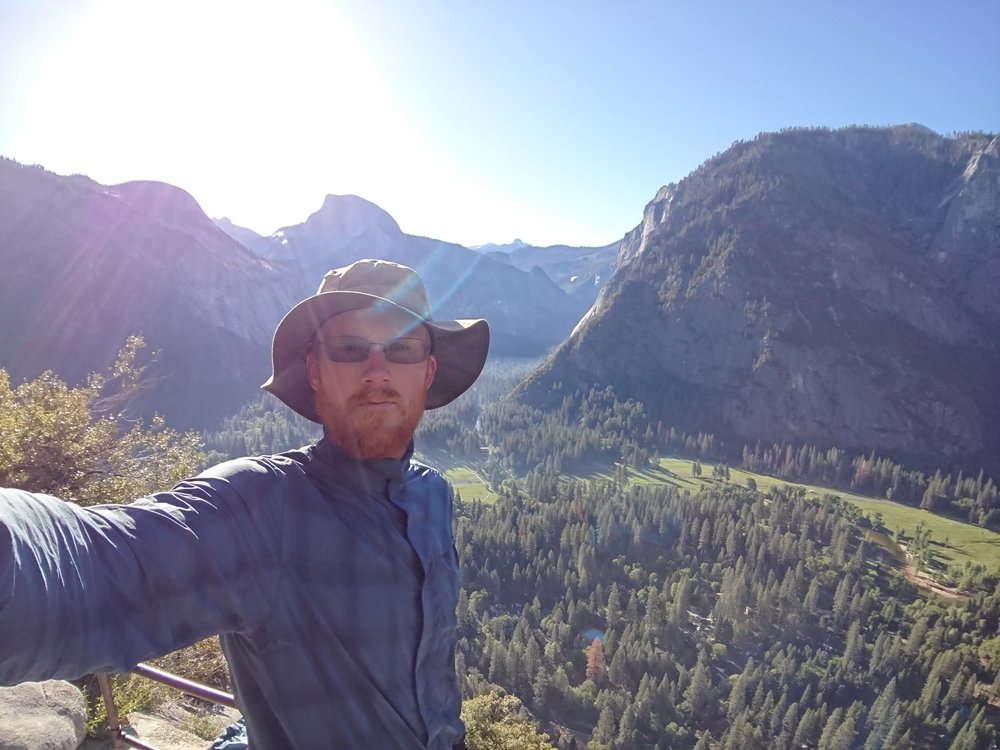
{"x": 376, "y": 422}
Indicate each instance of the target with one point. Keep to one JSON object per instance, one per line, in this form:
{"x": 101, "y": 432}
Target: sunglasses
{"x": 401, "y": 351}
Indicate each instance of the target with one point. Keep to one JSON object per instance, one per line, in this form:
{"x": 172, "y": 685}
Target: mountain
{"x": 528, "y": 313}
{"x": 579, "y": 271}
{"x": 86, "y": 265}
{"x": 506, "y": 247}
{"x": 813, "y": 286}
{"x": 245, "y": 236}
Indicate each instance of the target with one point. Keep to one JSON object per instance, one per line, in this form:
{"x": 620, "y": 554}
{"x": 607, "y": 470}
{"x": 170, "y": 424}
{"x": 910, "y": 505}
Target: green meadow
{"x": 955, "y": 542}
{"x": 468, "y": 484}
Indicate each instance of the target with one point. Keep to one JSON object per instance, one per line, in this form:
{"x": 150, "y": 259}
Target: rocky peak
{"x": 350, "y": 216}
{"x": 168, "y": 203}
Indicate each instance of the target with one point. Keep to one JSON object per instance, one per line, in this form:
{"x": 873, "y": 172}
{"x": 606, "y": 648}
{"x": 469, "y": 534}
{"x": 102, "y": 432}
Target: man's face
{"x": 370, "y": 409}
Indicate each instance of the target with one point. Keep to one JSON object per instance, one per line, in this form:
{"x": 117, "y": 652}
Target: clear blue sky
{"x": 469, "y": 121}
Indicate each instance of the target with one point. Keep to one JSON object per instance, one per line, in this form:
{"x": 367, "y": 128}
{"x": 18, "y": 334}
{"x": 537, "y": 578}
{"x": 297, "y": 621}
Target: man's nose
{"x": 376, "y": 366}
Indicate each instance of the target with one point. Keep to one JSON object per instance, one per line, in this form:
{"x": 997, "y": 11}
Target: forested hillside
{"x": 638, "y": 617}
{"x": 598, "y": 426}
{"x": 627, "y": 616}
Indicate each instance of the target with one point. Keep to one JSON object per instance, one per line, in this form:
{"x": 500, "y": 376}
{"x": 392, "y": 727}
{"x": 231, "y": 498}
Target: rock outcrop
{"x": 42, "y": 716}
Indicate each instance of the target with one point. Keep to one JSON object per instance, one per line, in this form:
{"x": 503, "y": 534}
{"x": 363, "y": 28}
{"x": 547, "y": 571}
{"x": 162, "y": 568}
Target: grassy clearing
{"x": 956, "y": 542}
{"x": 764, "y": 483}
{"x": 461, "y": 474}
{"x": 468, "y": 484}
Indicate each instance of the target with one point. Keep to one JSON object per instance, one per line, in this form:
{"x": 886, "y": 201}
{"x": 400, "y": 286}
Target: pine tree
{"x": 607, "y": 726}
{"x": 540, "y": 691}
{"x": 830, "y": 730}
{"x": 699, "y": 698}
{"x": 738, "y": 694}
{"x": 843, "y": 738}
{"x": 628, "y": 728}
{"x": 854, "y": 649}
{"x": 613, "y": 611}
{"x": 596, "y": 667}
{"x": 883, "y": 715}
{"x": 789, "y": 723}
{"x": 807, "y": 730}
{"x": 918, "y": 633}
{"x": 743, "y": 735}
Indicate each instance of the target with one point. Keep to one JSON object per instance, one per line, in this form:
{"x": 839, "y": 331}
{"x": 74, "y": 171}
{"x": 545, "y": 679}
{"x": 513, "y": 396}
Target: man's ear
{"x": 311, "y": 372}
{"x": 432, "y": 366}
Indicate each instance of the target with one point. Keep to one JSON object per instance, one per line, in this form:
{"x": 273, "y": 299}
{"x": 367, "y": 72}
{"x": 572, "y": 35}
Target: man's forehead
{"x": 381, "y": 317}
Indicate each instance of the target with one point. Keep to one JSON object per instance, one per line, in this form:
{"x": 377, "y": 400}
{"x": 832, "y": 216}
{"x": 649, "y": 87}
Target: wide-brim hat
{"x": 460, "y": 346}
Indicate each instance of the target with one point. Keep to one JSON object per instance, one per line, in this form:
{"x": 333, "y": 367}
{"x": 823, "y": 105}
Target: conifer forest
{"x": 603, "y": 612}
{"x": 626, "y": 616}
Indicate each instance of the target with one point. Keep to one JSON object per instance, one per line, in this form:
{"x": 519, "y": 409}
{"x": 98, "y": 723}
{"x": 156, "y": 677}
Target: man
{"x": 330, "y": 571}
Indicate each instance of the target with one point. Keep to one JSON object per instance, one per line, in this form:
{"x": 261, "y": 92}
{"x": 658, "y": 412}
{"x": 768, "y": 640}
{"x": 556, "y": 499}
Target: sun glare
{"x": 257, "y": 109}
{"x": 227, "y": 96}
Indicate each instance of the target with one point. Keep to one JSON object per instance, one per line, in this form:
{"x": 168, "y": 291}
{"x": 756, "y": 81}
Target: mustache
{"x": 375, "y": 393}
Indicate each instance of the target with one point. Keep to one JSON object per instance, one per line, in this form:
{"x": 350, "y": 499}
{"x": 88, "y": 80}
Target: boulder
{"x": 42, "y": 716}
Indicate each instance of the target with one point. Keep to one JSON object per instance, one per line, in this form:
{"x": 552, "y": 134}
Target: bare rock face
{"x": 42, "y": 716}
{"x": 814, "y": 286}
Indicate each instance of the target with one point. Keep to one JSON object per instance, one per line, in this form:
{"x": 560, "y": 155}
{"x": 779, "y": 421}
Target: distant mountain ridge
{"x": 86, "y": 265}
{"x": 580, "y": 271}
{"x": 505, "y": 247}
{"x": 832, "y": 287}
{"x": 529, "y": 314}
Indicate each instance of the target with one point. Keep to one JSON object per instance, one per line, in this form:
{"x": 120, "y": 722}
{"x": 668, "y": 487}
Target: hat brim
{"x": 459, "y": 346}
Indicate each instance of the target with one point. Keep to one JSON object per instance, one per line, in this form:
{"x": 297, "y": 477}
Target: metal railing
{"x": 121, "y": 740}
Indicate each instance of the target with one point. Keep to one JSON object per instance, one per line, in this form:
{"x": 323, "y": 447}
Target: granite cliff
{"x": 815, "y": 286}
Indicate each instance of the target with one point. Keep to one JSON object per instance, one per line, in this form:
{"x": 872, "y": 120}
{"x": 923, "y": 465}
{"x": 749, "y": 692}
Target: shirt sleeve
{"x": 94, "y": 589}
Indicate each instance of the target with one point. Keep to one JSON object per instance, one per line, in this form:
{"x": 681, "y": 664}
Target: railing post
{"x": 122, "y": 741}
{"x": 104, "y": 681}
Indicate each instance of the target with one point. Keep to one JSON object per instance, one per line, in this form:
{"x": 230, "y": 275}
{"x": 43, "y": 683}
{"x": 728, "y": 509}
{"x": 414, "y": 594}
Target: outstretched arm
{"x": 100, "y": 589}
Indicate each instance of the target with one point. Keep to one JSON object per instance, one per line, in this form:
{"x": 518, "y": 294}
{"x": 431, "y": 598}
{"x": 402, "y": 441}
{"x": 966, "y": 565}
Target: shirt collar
{"x": 394, "y": 469}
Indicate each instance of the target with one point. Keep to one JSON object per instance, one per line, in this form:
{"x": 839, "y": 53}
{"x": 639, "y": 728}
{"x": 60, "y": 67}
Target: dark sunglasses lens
{"x": 405, "y": 351}
{"x": 346, "y": 349}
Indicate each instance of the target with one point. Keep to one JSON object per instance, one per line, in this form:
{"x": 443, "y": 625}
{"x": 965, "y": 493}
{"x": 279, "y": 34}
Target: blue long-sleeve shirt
{"x": 332, "y": 582}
